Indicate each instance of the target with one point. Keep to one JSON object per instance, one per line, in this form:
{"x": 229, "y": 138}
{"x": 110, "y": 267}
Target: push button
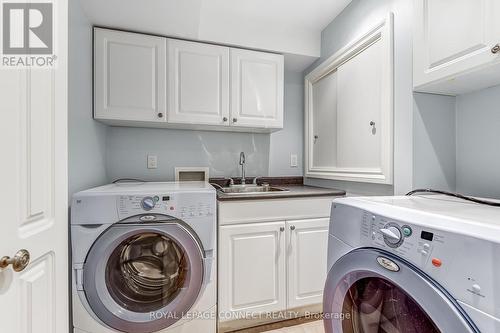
{"x": 437, "y": 262}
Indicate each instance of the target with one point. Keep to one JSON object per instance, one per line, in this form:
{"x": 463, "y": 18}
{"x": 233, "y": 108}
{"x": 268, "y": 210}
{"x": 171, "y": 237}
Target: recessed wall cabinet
{"x": 456, "y": 46}
{"x": 272, "y": 258}
{"x": 349, "y": 111}
{"x": 151, "y": 81}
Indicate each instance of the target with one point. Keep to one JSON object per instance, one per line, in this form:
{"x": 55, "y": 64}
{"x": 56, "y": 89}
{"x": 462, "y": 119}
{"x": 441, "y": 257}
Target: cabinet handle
{"x": 224, "y": 119}
{"x": 495, "y": 49}
{"x": 160, "y": 115}
{"x": 292, "y": 227}
{"x": 282, "y": 229}
{"x": 316, "y": 137}
{"x": 235, "y": 120}
{"x": 372, "y": 123}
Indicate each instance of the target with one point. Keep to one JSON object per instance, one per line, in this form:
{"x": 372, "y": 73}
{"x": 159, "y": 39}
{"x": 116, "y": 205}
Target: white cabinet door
{"x": 198, "y": 83}
{"x": 307, "y": 261}
{"x": 257, "y": 83}
{"x": 452, "y": 37}
{"x": 252, "y": 267}
{"x": 129, "y": 76}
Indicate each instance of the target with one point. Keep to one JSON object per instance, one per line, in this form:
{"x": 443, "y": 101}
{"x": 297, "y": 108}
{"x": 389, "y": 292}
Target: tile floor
{"x": 313, "y": 327}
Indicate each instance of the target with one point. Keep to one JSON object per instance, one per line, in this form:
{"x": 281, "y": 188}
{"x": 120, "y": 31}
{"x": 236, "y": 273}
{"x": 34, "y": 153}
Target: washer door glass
{"x": 146, "y": 272}
{"x": 143, "y": 277}
{"x": 375, "y": 305}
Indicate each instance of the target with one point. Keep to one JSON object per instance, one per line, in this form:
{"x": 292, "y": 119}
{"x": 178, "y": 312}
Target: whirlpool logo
{"x": 27, "y": 34}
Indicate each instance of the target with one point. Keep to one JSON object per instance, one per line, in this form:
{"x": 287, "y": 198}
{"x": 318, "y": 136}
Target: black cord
{"x": 456, "y": 195}
{"x": 121, "y": 180}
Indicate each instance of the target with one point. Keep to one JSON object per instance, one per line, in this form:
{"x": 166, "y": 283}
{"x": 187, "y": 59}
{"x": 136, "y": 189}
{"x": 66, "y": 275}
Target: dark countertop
{"x": 295, "y": 191}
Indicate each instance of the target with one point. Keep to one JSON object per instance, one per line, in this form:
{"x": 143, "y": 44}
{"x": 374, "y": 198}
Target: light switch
{"x": 293, "y": 160}
{"x": 152, "y": 161}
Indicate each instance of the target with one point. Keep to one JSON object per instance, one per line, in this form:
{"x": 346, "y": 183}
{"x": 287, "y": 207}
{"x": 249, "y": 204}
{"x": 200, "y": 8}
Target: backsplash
{"x": 127, "y": 150}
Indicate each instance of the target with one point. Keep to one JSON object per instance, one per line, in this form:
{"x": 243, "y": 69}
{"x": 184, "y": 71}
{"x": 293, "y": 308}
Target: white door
{"x": 33, "y": 196}
{"x": 252, "y": 267}
{"x": 453, "y": 36}
{"x": 257, "y": 84}
{"x": 198, "y": 83}
{"x": 129, "y": 76}
{"x": 307, "y": 261}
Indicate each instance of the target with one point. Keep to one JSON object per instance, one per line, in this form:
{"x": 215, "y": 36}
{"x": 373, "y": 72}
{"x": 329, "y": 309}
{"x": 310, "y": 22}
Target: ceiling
{"x": 292, "y": 27}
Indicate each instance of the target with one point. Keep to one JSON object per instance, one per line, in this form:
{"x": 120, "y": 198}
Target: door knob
{"x": 224, "y": 119}
{"x": 160, "y": 115}
{"x": 495, "y": 49}
{"x": 19, "y": 262}
{"x": 292, "y": 227}
{"x": 372, "y": 123}
{"x": 282, "y": 229}
{"x": 235, "y": 120}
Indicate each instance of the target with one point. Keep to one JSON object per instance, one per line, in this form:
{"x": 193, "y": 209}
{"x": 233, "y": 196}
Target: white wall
{"x": 434, "y": 142}
{"x": 87, "y": 138}
{"x": 356, "y": 19}
{"x": 478, "y": 143}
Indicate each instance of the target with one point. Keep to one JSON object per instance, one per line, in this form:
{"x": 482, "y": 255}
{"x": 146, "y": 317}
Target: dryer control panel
{"x": 411, "y": 242}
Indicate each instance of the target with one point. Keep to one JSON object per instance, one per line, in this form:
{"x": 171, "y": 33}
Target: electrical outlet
{"x": 152, "y": 161}
{"x": 293, "y": 160}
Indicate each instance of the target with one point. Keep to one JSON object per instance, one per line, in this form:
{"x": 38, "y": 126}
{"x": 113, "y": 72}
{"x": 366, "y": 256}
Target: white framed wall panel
{"x": 198, "y": 83}
{"x": 257, "y": 89}
{"x": 452, "y": 39}
{"x": 129, "y": 76}
{"x": 358, "y": 108}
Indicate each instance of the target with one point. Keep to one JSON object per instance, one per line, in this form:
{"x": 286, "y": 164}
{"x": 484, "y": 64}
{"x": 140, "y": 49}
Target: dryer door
{"x": 371, "y": 291}
{"x": 143, "y": 278}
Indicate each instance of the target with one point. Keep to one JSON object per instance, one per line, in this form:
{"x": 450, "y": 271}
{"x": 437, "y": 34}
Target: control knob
{"x": 148, "y": 203}
{"x": 393, "y": 236}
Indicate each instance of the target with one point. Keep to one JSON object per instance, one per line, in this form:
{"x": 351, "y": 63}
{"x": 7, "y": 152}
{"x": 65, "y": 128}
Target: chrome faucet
{"x": 242, "y": 163}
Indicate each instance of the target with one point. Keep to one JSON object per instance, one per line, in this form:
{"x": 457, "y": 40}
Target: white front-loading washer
{"x": 143, "y": 258}
{"x": 418, "y": 264}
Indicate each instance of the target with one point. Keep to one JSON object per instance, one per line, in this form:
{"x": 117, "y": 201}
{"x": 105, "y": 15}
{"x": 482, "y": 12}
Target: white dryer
{"x": 143, "y": 258}
{"x": 418, "y": 264}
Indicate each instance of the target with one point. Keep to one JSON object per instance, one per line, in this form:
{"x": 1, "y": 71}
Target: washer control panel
{"x": 168, "y": 204}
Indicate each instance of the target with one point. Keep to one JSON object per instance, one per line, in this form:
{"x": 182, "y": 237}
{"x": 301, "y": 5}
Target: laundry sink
{"x": 251, "y": 189}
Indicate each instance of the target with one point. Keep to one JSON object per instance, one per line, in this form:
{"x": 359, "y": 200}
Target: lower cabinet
{"x": 252, "y": 267}
{"x": 272, "y": 266}
{"x": 307, "y": 256}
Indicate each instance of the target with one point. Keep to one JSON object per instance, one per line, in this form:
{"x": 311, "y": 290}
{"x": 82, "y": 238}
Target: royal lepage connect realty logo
{"x": 27, "y": 34}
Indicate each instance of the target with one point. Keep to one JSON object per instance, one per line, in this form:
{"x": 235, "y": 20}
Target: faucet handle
{"x": 255, "y": 180}
{"x": 231, "y": 181}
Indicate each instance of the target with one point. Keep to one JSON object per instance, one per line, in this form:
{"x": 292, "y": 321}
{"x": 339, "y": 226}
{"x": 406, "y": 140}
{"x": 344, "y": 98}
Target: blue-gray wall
{"x": 478, "y": 143}
{"x": 434, "y": 131}
{"x": 86, "y": 137}
{"x": 355, "y": 20}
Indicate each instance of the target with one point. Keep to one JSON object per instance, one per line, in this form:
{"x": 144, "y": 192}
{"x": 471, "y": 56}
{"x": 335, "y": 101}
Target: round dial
{"x": 393, "y": 236}
{"x": 147, "y": 203}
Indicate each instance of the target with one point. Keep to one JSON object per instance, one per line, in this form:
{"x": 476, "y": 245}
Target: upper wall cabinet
{"x": 129, "y": 76}
{"x": 257, "y": 81}
{"x": 198, "y": 83}
{"x": 349, "y": 111}
{"x": 456, "y": 45}
{"x": 209, "y": 86}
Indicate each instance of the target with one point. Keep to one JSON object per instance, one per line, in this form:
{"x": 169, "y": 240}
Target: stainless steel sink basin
{"x": 251, "y": 190}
